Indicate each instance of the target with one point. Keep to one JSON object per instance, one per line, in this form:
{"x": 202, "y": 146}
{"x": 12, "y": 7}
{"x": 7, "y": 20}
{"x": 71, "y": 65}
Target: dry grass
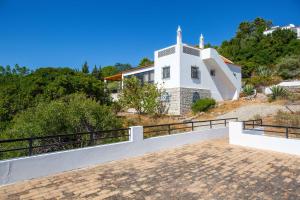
{"x": 220, "y": 109}
{"x": 226, "y": 107}
{"x": 146, "y": 120}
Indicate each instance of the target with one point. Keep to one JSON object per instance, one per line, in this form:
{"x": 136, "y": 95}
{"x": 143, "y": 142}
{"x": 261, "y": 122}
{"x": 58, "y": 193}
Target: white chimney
{"x": 201, "y": 42}
{"x": 179, "y": 35}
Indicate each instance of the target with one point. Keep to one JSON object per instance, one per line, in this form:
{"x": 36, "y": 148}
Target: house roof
{"x": 226, "y": 60}
{"x": 118, "y": 77}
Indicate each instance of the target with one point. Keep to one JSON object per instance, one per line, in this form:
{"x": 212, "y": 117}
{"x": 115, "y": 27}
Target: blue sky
{"x": 38, "y": 33}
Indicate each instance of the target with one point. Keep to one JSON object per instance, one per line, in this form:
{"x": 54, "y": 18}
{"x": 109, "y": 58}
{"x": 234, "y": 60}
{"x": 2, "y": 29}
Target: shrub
{"x": 278, "y": 91}
{"x": 203, "y": 105}
{"x": 70, "y": 114}
{"x": 287, "y": 118}
{"x": 289, "y": 67}
{"x": 144, "y": 98}
{"x": 248, "y": 90}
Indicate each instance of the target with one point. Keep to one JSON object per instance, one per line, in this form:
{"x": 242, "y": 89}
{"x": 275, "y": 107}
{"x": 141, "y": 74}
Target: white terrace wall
{"x": 257, "y": 139}
{"x": 25, "y": 168}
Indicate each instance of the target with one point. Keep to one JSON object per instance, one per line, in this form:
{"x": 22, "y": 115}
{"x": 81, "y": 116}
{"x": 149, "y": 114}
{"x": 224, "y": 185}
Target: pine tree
{"x": 85, "y": 68}
{"x": 95, "y": 71}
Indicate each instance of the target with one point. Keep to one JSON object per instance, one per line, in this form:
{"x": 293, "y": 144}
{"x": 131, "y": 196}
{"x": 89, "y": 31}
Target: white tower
{"x": 179, "y": 35}
{"x": 201, "y": 42}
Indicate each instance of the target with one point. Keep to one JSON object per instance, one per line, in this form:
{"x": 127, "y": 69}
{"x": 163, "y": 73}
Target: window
{"x": 195, "y": 72}
{"x": 213, "y": 72}
{"x": 144, "y": 77}
{"x": 196, "y": 97}
{"x": 165, "y": 72}
{"x": 165, "y": 97}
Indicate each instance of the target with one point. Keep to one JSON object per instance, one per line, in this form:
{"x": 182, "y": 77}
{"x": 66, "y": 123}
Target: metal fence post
{"x": 225, "y": 122}
{"x": 169, "y": 129}
{"x": 30, "y": 147}
{"x": 192, "y": 126}
{"x": 91, "y": 138}
{"x": 287, "y": 132}
{"x": 252, "y": 123}
{"x": 210, "y": 124}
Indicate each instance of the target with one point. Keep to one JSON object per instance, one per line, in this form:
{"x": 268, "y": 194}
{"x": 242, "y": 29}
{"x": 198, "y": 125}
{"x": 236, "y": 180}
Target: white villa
{"x": 291, "y": 27}
{"x": 188, "y": 73}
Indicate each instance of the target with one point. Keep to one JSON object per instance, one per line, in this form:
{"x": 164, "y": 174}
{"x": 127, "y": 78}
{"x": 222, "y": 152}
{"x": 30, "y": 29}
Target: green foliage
{"x": 122, "y": 67}
{"x": 112, "y": 70}
{"x": 145, "y": 62}
{"x": 109, "y": 71}
{"x": 85, "y": 68}
{"x": 248, "y": 90}
{"x": 289, "y": 67}
{"x": 16, "y": 70}
{"x": 70, "y": 114}
{"x": 278, "y": 91}
{"x": 250, "y": 48}
{"x": 18, "y": 93}
{"x": 263, "y": 71}
{"x": 143, "y": 98}
{"x": 258, "y": 81}
{"x": 113, "y": 86}
{"x": 203, "y": 105}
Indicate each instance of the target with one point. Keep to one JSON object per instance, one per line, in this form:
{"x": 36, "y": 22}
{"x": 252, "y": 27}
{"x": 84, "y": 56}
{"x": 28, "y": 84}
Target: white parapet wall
{"x": 25, "y": 168}
{"x": 257, "y": 139}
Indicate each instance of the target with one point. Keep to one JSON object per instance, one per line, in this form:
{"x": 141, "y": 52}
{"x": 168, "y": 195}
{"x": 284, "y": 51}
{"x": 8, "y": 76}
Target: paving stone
{"x": 207, "y": 170}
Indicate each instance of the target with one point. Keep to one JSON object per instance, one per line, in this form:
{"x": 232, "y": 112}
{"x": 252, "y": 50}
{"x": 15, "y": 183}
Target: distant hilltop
{"x": 291, "y": 27}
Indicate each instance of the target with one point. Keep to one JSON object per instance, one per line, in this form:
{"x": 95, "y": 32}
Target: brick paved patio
{"x": 207, "y": 170}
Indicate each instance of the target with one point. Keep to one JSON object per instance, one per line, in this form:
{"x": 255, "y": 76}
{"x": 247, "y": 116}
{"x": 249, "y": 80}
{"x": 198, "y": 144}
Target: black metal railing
{"x": 168, "y": 129}
{"x": 37, "y": 145}
{"x": 274, "y": 130}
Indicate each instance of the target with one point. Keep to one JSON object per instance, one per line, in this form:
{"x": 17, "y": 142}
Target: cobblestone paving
{"x": 208, "y": 170}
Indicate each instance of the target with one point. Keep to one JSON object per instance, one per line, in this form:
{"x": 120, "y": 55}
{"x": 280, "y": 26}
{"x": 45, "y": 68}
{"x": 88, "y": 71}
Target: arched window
{"x": 196, "y": 96}
{"x": 165, "y": 97}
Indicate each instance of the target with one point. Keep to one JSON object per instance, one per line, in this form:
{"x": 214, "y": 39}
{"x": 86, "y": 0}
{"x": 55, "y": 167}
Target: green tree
{"x": 122, "y": 67}
{"x": 95, "y": 72}
{"x": 143, "y": 98}
{"x": 289, "y": 67}
{"x": 250, "y": 48}
{"x": 70, "y": 114}
{"x": 109, "y": 71}
{"x": 18, "y": 93}
{"x": 85, "y": 68}
{"x": 145, "y": 62}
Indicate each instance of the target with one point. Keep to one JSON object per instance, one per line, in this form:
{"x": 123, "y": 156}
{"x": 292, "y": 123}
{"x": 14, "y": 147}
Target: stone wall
{"x": 186, "y": 98}
{"x": 181, "y": 99}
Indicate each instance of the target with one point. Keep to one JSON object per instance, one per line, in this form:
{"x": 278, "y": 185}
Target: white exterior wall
{"x": 186, "y": 62}
{"x": 256, "y": 139}
{"x": 15, "y": 170}
{"x": 173, "y": 61}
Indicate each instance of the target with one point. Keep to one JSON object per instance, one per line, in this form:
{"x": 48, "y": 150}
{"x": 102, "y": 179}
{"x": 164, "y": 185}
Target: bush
{"x": 71, "y": 114}
{"x": 248, "y": 90}
{"x": 144, "y": 98}
{"x": 287, "y": 118}
{"x": 203, "y": 105}
{"x": 289, "y": 67}
{"x": 278, "y": 91}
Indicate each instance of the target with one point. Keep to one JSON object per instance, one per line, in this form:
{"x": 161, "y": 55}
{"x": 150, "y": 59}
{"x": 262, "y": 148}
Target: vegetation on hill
{"x": 20, "y": 91}
{"x": 251, "y": 49}
{"x": 28, "y": 97}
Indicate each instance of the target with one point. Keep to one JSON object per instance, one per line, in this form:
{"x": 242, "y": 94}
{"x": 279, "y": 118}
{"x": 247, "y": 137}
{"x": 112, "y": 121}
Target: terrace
{"x": 199, "y": 163}
{"x": 207, "y": 170}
